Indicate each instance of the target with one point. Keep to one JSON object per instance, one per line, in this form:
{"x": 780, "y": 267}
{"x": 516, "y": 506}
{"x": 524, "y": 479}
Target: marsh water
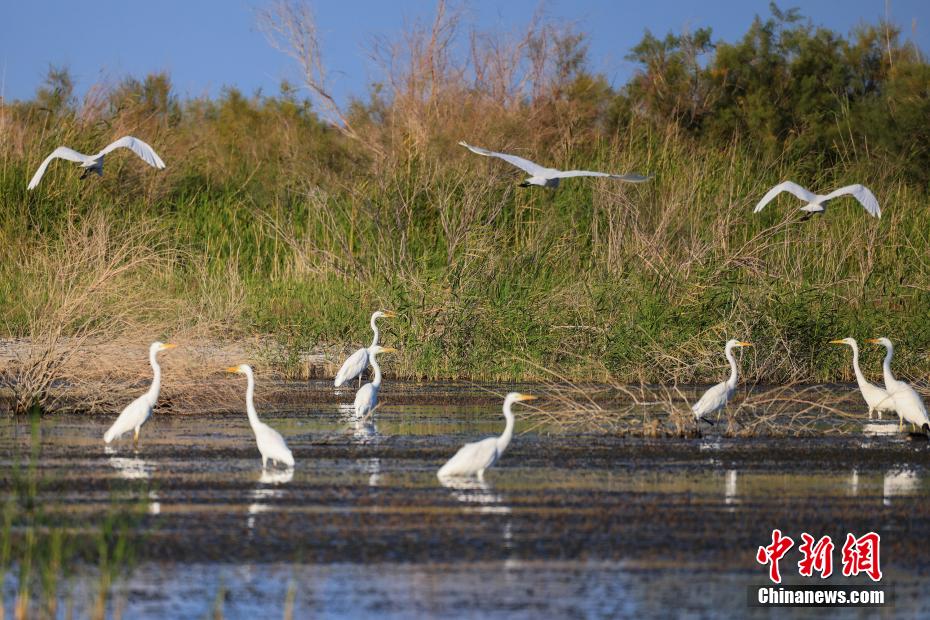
{"x": 567, "y": 524}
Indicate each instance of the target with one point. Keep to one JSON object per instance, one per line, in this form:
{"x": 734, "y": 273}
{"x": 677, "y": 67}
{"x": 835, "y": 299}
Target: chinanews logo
{"x": 859, "y": 555}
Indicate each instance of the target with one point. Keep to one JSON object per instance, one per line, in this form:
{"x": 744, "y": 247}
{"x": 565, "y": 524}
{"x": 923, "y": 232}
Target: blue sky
{"x": 208, "y": 44}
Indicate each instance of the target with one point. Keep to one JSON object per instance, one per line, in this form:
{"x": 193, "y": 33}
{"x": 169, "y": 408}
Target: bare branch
{"x": 290, "y": 27}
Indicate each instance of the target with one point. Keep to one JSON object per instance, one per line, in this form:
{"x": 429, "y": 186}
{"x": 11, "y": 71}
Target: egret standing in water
{"x": 907, "y": 402}
{"x": 270, "y": 442}
{"x": 366, "y": 399}
{"x": 138, "y": 411}
{"x": 473, "y": 458}
{"x": 716, "y": 397}
{"x": 875, "y": 397}
{"x": 356, "y": 364}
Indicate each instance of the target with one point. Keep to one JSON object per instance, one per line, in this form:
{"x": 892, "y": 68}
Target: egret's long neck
{"x": 860, "y": 378}
{"x": 374, "y": 328}
{"x": 504, "y": 440}
{"x": 250, "y": 399}
{"x": 886, "y": 367}
{"x": 156, "y": 379}
{"x": 733, "y": 376}
{"x": 374, "y": 364}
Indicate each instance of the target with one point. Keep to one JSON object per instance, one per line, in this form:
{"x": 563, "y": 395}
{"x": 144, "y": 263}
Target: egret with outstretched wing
{"x": 815, "y": 202}
{"x": 94, "y": 163}
{"x": 549, "y": 177}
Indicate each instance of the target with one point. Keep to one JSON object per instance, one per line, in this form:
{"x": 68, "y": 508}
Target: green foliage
{"x": 56, "y": 95}
{"x": 790, "y": 87}
{"x": 280, "y": 224}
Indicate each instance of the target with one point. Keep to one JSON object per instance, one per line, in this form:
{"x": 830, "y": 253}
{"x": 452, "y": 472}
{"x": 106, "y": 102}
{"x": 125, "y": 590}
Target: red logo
{"x": 817, "y": 557}
{"x": 860, "y": 555}
{"x": 773, "y": 553}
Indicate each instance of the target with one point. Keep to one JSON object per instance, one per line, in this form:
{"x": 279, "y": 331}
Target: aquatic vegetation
{"x": 41, "y": 547}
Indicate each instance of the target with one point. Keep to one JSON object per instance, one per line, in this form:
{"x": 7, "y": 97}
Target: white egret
{"x": 473, "y": 458}
{"x": 717, "y": 396}
{"x": 549, "y": 177}
{"x": 270, "y": 443}
{"x": 875, "y": 397}
{"x": 366, "y": 399}
{"x": 138, "y": 411}
{"x": 94, "y": 163}
{"x": 907, "y": 402}
{"x": 356, "y": 364}
{"x": 815, "y": 201}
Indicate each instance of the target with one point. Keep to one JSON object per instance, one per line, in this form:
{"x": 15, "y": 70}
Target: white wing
{"x": 271, "y": 444}
{"x": 352, "y": 367}
{"x": 132, "y": 416}
{"x": 138, "y": 147}
{"x": 910, "y": 405}
{"x": 630, "y": 178}
{"x": 787, "y": 186}
{"x": 875, "y": 397}
{"x": 712, "y": 400}
{"x": 365, "y": 399}
{"x": 524, "y": 164}
{"x": 62, "y": 152}
{"x": 860, "y": 193}
{"x": 471, "y": 458}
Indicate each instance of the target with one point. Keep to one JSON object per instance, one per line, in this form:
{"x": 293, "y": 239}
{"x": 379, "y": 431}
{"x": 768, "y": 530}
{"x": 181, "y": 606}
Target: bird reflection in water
{"x": 134, "y": 468}
{"x": 478, "y": 497}
{"x": 267, "y": 490}
{"x": 899, "y": 482}
{"x": 730, "y": 496}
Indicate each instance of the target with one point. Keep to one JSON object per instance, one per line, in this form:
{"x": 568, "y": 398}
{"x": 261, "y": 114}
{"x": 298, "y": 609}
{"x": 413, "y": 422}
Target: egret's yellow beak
{"x": 232, "y": 369}
{"x": 744, "y": 344}
{"x": 838, "y": 342}
{"x": 165, "y": 347}
{"x": 389, "y": 314}
{"x": 872, "y": 340}
{"x": 527, "y": 397}
{"x": 388, "y": 350}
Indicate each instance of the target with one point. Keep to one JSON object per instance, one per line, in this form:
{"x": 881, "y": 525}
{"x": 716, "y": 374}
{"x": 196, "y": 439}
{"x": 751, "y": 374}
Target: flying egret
{"x": 94, "y": 163}
{"x": 366, "y": 399}
{"x": 815, "y": 201}
{"x": 138, "y": 411}
{"x": 473, "y": 458}
{"x": 875, "y": 397}
{"x": 716, "y": 397}
{"x": 356, "y": 364}
{"x": 549, "y": 177}
{"x": 907, "y": 402}
{"x": 270, "y": 443}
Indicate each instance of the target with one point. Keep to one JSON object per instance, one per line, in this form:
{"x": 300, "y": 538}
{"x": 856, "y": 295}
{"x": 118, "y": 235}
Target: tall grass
{"x": 269, "y": 222}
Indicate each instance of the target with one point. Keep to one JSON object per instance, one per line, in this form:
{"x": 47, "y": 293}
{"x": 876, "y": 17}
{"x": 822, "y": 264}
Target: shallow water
{"x": 565, "y": 525}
